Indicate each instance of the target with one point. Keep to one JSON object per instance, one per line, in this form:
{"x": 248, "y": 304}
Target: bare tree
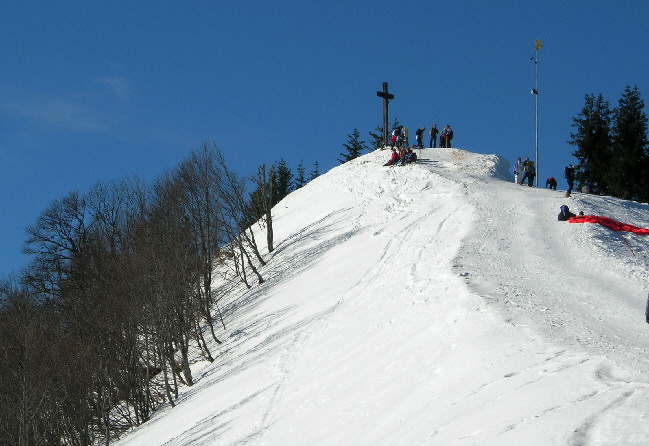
{"x": 232, "y": 192}
{"x": 199, "y": 177}
{"x": 266, "y": 187}
{"x": 29, "y": 368}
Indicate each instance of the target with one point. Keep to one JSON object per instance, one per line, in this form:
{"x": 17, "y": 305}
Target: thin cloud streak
{"x": 58, "y": 113}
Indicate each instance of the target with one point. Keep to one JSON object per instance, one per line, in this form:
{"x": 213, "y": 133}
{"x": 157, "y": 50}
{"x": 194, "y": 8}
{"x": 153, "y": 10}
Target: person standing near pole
{"x": 518, "y": 171}
{"x": 396, "y": 134}
{"x": 529, "y": 172}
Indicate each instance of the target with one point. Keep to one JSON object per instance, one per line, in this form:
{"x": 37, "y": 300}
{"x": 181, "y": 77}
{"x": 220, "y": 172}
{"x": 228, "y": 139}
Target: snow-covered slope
{"x": 437, "y": 303}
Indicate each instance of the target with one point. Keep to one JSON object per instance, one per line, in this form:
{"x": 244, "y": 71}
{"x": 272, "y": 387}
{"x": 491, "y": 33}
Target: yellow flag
{"x": 538, "y": 45}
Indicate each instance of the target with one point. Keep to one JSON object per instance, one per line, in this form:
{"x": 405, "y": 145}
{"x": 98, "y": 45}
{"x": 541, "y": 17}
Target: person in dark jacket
{"x": 445, "y": 137}
{"x": 410, "y": 157}
{"x": 529, "y": 172}
{"x": 433, "y": 136}
{"x": 419, "y": 135}
{"x": 569, "y": 173}
{"x": 551, "y": 182}
{"x": 565, "y": 213}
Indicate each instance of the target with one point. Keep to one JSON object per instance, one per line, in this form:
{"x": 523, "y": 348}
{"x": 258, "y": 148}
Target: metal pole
{"x": 537, "y": 46}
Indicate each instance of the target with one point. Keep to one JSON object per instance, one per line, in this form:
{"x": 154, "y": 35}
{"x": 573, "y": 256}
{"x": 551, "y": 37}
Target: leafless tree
{"x": 199, "y": 176}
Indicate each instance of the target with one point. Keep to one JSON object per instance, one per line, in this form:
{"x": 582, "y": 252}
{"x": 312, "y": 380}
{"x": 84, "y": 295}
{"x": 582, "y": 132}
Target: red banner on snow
{"x": 609, "y": 223}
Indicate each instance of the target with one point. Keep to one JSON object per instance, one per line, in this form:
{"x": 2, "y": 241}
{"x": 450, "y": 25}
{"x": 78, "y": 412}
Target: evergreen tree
{"x": 629, "y": 163}
{"x": 300, "y": 179}
{"x": 593, "y": 142}
{"x": 353, "y": 146}
{"x": 282, "y": 178}
{"x": 315, "y": 173}
{"x": 255, "y": 207}
{"x": 377, "y": 138}
{"x": 276, "y": 183}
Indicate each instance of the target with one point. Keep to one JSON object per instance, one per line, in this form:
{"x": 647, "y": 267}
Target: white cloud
{"x": 119, "y": 86}
{"x": 57, "y": 112}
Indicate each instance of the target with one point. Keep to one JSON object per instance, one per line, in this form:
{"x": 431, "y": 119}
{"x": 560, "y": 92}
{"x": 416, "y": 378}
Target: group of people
{"x": 524, "y": 170}
{"x": 445, "y": 136}
{"x": 399, "y": 137}
{"x": 402, "y": 156}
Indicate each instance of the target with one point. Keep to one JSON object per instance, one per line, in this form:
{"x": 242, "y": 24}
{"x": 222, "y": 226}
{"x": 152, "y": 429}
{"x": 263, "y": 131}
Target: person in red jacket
{"x": 393, "y": 159}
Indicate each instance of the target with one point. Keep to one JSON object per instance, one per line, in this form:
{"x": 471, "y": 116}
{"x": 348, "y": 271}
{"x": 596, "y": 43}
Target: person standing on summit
{"x": 518, "y": 170}
{"x": 529, "y": 172}
{"x": 445, "y": 137}
{"x": 433, "y": 136}
{"x": 419, "y": 135}
{"x": 396, "y": 137}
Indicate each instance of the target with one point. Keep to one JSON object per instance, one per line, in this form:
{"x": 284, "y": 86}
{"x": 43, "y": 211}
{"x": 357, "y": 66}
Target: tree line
{"x": 96, "y": 331}
{"x": 611, "y": 146}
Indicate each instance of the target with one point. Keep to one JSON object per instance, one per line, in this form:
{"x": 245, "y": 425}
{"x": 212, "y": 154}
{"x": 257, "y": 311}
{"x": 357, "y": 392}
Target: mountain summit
{"x": 435, "y": 303}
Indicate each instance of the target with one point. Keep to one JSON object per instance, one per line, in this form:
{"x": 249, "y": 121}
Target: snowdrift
{"x": 436, "y": 303}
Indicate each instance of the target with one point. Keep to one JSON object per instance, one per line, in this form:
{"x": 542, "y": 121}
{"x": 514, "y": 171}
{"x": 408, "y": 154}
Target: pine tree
{"x": 300, "y": 179}
{"x": 629, "y": 163}
{"x": 593, "y": 142}
{"x": 377, "y": 138}
{"x": 353, "y": 146}
{"x": 315, "y": 173}
{"x": 282, "y": 178}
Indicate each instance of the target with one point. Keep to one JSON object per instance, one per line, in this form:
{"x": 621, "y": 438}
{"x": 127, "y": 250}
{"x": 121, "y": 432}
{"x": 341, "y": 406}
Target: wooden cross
{"x": 386, "y": 97}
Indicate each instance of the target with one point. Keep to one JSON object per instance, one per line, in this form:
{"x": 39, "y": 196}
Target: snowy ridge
{"x": 436, "y": 303}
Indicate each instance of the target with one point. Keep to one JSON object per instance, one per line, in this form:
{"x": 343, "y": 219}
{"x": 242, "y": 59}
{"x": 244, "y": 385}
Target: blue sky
{"x": 95, "y": 91}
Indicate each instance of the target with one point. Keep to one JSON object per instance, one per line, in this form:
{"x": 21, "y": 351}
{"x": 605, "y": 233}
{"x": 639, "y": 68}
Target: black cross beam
{"x": 386, "y": 97}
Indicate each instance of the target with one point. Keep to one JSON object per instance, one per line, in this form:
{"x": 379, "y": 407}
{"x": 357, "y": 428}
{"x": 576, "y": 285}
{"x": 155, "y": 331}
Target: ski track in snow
{"x": 513, "y": 280}
{"x": 367, "y": 352}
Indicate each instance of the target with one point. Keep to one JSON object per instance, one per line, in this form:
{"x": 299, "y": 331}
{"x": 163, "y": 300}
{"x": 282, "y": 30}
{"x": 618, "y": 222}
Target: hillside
{"x": 437, "y": 304}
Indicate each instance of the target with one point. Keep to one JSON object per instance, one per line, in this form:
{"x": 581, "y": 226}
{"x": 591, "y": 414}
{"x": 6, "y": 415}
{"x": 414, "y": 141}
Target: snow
{"x": 431, "y": 304}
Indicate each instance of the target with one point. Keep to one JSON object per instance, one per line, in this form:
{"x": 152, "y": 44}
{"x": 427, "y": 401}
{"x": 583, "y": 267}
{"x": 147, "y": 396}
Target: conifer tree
{"x": 300, "y": 179}
{"x": 282, "y": 177}
{"x": 315, "y": 173}
{"x": 377, "y": 138}
{"x": 593, "y": 142}
{"x": 629, "y": 137}
{"x": 353, "y": 146}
